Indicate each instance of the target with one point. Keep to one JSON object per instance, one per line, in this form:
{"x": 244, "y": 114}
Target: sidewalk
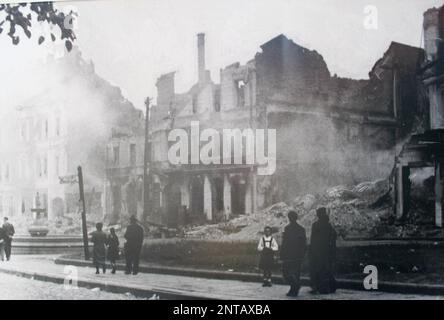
{"x": 175, "y": 287}
{"x": 350, "y": 284}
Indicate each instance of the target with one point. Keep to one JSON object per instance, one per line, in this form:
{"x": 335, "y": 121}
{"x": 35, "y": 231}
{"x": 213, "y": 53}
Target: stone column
{"x": 402, "y": 190}
{"x": 248, "y": 197}
{"x": 254, "y": 191}
{"x": 439, "y": 194}
{"x": 106, "y": 207}
{"x": 208, "y": 199}
{"x": 227, "y": 196}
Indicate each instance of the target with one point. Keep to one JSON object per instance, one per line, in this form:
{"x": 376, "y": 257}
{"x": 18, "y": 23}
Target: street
{"x": 19, "y": 288}
{"x": 166, "y": 286}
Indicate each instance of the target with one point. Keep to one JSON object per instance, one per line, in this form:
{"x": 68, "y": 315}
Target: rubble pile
{"x": 245, "y": 227}
{"x": 355, "y": 211}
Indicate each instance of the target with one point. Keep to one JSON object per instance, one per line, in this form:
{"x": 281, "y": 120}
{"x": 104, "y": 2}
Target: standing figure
{"x": 293, "y": 248}
{"x": 267, "y": 247}
{"x": 9, "y": 231}
{"x": 133, "y": 246}
{"x": 2, "y": 244}
{"x": 99, "y": 238}
{"x": 322, "y": 254}
{"x": 113, "y": 249}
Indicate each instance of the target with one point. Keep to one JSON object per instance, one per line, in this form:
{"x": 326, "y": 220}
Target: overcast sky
{"x": 132, "y": 42}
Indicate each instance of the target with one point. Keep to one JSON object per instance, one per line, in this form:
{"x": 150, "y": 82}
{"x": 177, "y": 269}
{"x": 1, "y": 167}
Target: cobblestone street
{"x": 18, "y": 288}
{"x": 14, "y": 287}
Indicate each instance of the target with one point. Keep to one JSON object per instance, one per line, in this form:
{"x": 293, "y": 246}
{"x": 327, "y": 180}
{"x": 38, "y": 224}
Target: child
{"x": 267, "y": 247}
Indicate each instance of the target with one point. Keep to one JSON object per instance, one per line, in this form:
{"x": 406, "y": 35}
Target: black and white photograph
{"x": 236, "y": 150}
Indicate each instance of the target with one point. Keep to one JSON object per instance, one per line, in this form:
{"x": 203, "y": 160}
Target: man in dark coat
{"x": 133, "y": 246}
{"x": 2, "y": 244}
{"x": 293, "y": 248}
{"x": 9, "y": 231}
{"x": 99, "y": 239}
{"x": 322, "y": 254}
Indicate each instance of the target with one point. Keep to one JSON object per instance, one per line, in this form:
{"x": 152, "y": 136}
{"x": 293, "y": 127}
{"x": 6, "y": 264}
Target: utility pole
{"x": 146, "y": 162}
{"x": 82, "y": 200}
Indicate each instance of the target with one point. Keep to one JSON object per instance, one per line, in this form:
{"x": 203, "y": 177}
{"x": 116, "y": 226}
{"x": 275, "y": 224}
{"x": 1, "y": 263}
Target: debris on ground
{"x": 352, "y": 212}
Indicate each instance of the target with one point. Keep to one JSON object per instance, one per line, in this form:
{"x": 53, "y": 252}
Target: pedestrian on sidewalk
{"x": 322, "y": 254}
{"x": 9, "y": 231}
{"x": 2, "y": 244}
{"x": 293, "y": 248}
{"x": 113, "y": 249}
{"x": 99, "y": 238}
{"x": 267, "y": 247}
{"x": 133, "y": 246}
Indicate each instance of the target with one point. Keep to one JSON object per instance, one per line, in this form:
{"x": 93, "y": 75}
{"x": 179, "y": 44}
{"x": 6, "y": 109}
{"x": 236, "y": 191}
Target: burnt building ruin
{"x": 330, "y": 130}
{"x": 425, "y": 147}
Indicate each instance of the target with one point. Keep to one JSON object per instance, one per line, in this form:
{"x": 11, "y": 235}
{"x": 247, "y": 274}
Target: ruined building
{"x": 422, "y": 155}
{"x": 329, "y": 130}
{"x": 124, "y": 174}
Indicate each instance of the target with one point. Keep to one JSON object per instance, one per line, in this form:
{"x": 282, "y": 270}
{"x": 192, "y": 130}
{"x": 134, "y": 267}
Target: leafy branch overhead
{"x": 21, "y": 16}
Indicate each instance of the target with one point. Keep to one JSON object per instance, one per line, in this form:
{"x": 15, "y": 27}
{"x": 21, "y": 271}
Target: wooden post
{"x": 84, "y": 226}
{"x": 146, "y": 160}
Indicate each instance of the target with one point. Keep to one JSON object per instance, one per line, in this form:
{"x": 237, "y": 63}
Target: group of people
{"x": 6, "y": 233}
{"x": 321, "y": 254}
{"x": 321, "y": 251}
{"x": 106, "y": 246}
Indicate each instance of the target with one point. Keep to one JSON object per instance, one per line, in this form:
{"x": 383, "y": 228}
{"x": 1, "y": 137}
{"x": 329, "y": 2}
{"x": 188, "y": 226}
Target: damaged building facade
{"x": 124, "y": 173}
{"x": 64, "y": 124}
{"x": 424, "y": 150}
{"x": 329, "y": 130}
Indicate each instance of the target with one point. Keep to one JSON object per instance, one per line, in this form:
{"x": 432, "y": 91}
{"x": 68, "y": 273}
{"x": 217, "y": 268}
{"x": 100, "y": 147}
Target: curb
{"x": 383, "y": 286}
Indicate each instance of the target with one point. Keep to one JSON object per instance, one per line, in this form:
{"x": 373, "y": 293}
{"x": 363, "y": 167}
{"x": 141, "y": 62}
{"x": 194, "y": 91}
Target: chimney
{"x": 431, "y": 33}
{"x": 201, "y": 56}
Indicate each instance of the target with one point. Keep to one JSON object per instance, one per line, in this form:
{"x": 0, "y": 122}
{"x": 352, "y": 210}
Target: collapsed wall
{"x": 332, "y": 130}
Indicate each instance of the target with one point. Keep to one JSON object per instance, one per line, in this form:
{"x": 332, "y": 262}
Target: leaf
{"x": 41, "y": 39}
{"x": 68, "y": 45}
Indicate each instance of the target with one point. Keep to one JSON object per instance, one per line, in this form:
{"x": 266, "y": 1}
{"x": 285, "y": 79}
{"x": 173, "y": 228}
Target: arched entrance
{"x": 197, "y": 196}
{"x": 173, "y": 201}
{"x": 238, "y": 193}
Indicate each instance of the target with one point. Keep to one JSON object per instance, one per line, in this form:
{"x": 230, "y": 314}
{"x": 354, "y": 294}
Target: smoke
{"x": 81, "y": 109}
{"x": 319, "y": 152}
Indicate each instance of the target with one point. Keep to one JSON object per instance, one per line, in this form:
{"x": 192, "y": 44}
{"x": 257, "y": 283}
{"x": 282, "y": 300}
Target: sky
{"x": 133, "y": 42}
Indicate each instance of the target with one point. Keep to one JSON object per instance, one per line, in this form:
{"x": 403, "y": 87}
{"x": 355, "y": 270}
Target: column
{"x": 105, "y": 199}
{"x": 208, "y": 200}
{"x": 254, "y": 191}
{"x": 402, "y": 191}
{"x": 227, "y": 196}
{"x": 438, "y": 194}
{"x": 248, "y": 198}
